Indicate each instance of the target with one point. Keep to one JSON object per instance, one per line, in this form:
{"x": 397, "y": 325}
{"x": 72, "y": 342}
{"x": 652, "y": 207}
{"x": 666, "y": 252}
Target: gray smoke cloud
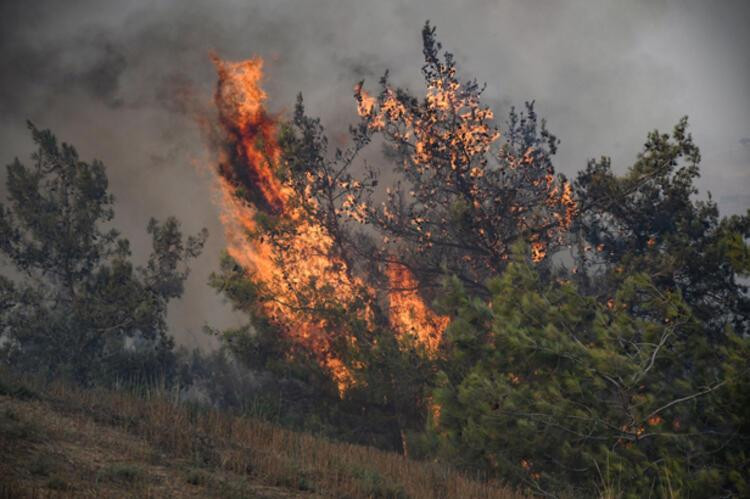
{"x": 109, "y": 78}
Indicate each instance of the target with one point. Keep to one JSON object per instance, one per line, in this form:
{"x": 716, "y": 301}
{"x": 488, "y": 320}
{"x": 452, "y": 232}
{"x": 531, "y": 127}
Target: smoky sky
{"x": 111, "y": 78}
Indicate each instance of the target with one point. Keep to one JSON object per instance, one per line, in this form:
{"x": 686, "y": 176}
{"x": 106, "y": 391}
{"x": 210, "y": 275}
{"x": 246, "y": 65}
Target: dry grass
{"x": 98, "y": 443}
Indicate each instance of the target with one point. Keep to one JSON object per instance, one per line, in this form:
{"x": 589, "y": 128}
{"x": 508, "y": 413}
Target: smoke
{"x": 113, "y": 79}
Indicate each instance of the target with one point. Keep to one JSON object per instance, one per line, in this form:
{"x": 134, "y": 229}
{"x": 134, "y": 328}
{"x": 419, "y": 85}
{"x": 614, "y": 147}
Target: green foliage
{"x": 375, "y": 485}
{"x": 631, "y": 370}
{"x": 77, "y": 299}
{"x": 650, "y": 221}
{"x": 546, "y": 387}
{"x": 647, "y": 221}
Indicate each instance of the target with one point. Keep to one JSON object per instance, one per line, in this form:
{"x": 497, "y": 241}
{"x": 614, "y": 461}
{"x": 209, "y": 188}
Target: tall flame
{"x": 239, "y": 99}
{"x": 249, "y": 184}
{"x": 296, "y": 283}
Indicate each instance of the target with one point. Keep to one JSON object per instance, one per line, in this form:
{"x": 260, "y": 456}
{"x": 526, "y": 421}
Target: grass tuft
{"x": 58, "y": 484}
{"x": 121, "y": 473}
{"x": 14, "y": 427}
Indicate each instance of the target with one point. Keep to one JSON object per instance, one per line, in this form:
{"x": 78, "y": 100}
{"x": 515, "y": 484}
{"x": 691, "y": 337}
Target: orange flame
{"x": 307, "y": 276}
{"x": 409, "y": 315}
{"x": 291, "y": 280}
{"x": 454, "y": 130}
{"x": 239, "y": 99}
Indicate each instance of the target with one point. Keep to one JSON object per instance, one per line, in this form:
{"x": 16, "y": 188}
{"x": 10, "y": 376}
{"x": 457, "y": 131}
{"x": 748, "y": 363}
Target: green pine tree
{"x": 72, "y": 296}
{"x": 546, "y": 387}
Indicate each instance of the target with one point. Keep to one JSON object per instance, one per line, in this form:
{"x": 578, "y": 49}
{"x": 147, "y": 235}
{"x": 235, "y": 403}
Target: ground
{"x": 49, "y": 453}
{"x": 61, "y": 441}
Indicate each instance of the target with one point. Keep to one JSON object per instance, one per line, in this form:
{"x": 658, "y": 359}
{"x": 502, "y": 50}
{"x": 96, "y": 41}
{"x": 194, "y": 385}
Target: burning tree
{"x": 300, "y": 283}
{"x": 465, "y": 192}
{"x": 337, "y": 269}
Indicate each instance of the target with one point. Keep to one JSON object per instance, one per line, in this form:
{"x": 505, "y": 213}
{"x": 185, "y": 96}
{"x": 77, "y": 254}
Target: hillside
{"x": 59, "y": 441}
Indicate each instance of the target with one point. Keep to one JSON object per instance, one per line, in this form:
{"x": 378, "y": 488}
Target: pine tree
{"x": 74, "y": 296}
{"x": 547, "y": 387}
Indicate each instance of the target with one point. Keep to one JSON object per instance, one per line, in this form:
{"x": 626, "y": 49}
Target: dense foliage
{"x": 629, "y": 373}
{"x": 548, "y": 387}
{"x": 333, "y": 281}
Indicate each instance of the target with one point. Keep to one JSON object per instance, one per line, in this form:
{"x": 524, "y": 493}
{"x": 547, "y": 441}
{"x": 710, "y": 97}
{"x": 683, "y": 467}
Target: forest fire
{"x": 409, "y": 275}
{"x": 294, "y": 268}
{"x": 250, "y": 186}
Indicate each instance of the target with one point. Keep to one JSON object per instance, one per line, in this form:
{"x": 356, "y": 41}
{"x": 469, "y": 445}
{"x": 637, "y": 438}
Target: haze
{"x": 108, "y": 79}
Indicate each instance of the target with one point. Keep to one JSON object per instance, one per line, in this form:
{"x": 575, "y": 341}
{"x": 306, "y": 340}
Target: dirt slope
{"x": 59, "y": 441}
{"x": 46, "y": 452}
